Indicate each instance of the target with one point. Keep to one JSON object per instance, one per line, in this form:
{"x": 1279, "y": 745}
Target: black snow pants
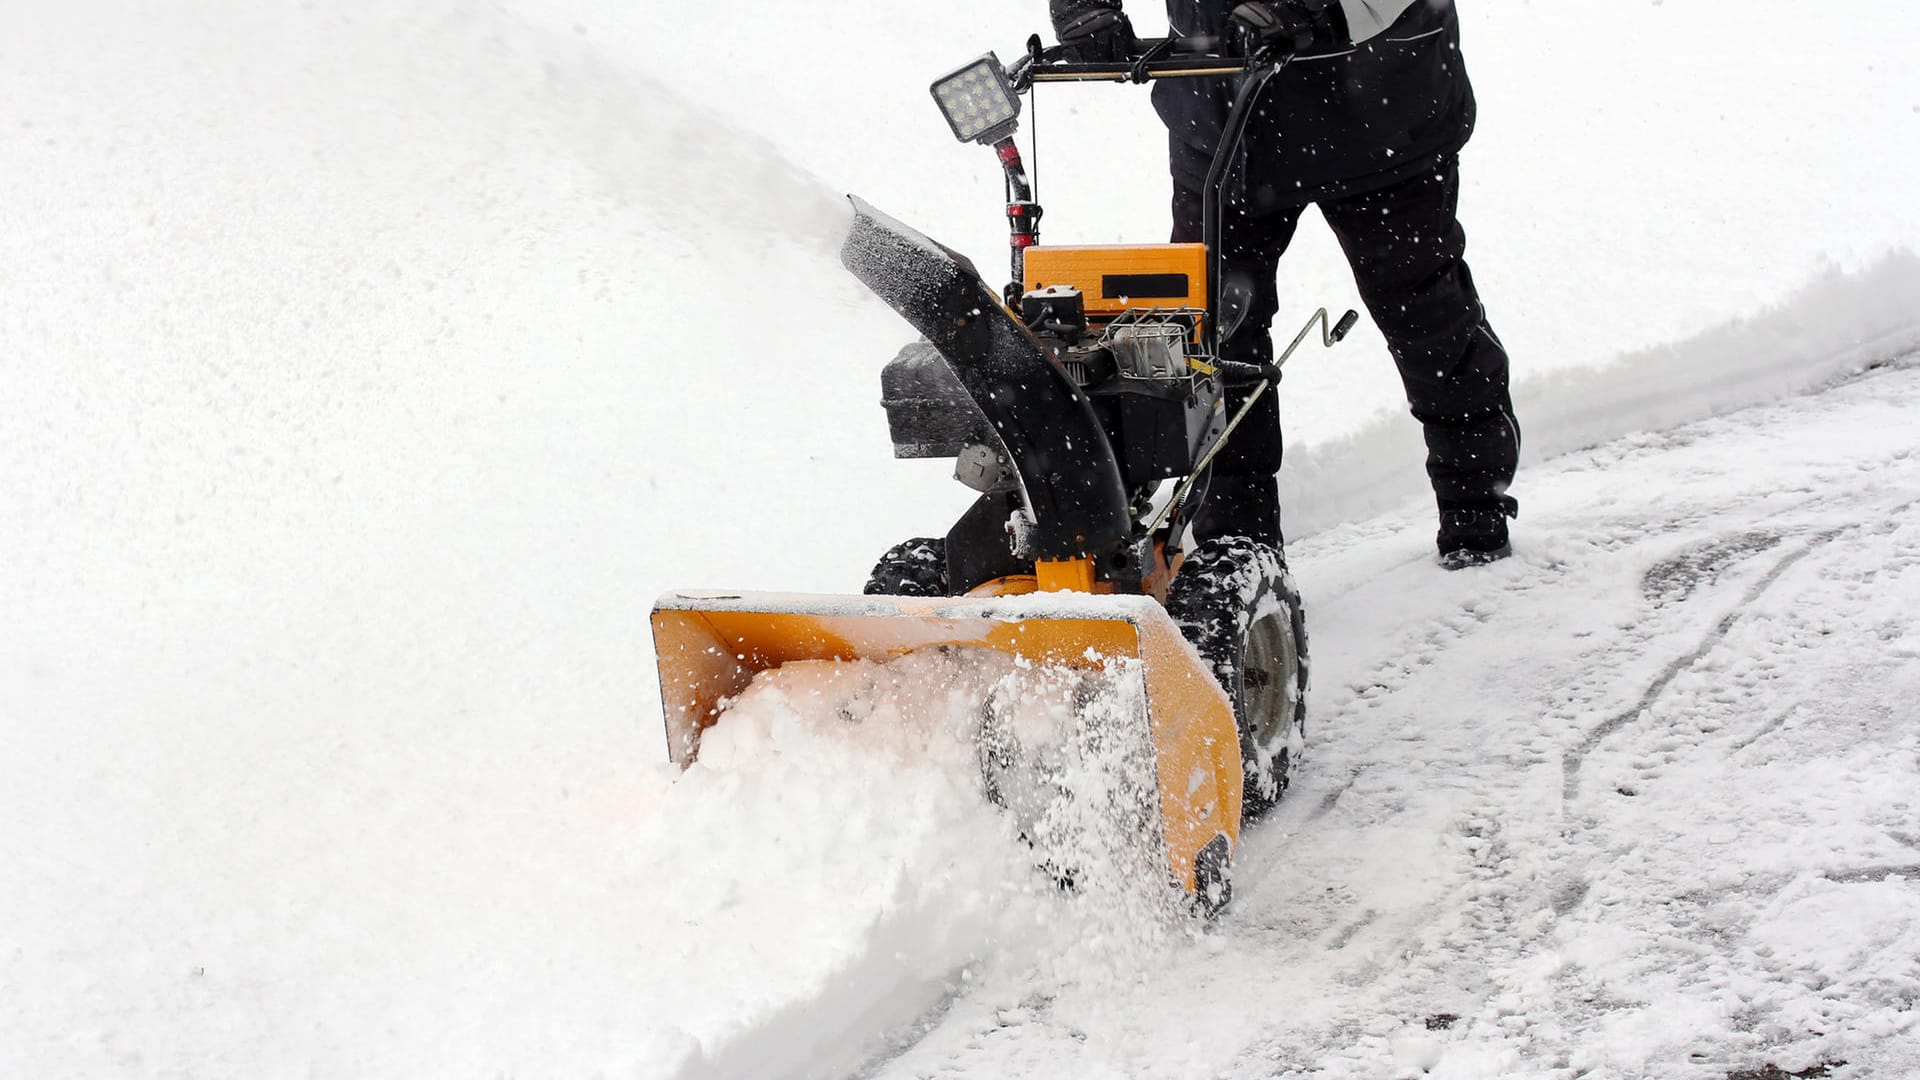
{"x": 1406, "y": 248}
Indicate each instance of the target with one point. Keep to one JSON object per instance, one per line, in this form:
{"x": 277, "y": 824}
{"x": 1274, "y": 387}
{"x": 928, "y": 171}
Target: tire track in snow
{"x": 1714, "y": 896}
{"x": 1507, "y": 916}
{"x": 1576, "y": 757}
{"x": 1496, "y": 897}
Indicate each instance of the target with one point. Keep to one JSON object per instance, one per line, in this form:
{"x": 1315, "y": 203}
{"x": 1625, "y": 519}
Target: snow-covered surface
{"x": 831, "y": 844}
{"x": 1638, "y": 802}
{"x": 369, "y": 367}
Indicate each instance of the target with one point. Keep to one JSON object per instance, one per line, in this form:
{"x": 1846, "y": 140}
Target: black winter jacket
{"x": 1340, "y": 119}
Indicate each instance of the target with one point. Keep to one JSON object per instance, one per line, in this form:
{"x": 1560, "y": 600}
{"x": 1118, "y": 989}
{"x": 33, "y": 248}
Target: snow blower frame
{"x": 1068, "y": 400}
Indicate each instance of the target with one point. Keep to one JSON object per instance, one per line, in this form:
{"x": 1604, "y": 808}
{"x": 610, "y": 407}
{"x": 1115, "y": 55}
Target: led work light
{"x": 978, "y": 101}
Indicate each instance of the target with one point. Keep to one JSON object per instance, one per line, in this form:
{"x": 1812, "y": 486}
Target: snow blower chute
{"x": 1084, "y": 405}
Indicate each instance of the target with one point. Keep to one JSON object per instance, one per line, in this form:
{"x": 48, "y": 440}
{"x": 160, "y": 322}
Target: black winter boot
{"x": 1474, "y": 534}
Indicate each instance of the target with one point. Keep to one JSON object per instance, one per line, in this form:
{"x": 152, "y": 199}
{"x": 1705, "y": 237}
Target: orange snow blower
{"x": 1084, "y": 404}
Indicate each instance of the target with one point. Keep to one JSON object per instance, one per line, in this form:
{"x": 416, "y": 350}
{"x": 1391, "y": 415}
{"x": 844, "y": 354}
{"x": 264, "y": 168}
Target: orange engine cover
{"x": 1115, "y": 277}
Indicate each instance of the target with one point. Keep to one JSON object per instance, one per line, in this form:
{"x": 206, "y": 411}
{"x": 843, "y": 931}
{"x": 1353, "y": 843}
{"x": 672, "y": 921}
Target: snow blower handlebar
{"x": 981, "y": 102}
{"x": 1195, "y": 56}
{"x": 1160, "y": 58}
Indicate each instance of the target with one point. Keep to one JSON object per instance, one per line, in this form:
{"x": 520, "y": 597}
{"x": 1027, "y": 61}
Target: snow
{"x": 788, "y": 789}
{"x": 834, "y": 841}
{"x": 1587, "y": 877}
{"x": 371, "y": 367}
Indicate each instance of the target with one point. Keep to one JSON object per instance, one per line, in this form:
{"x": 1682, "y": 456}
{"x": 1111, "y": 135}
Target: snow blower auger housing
{"x": 1069, "y": 400}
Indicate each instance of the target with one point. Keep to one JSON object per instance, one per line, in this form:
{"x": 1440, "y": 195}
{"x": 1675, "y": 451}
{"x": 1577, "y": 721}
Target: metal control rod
{"x": 1330, "y": 335}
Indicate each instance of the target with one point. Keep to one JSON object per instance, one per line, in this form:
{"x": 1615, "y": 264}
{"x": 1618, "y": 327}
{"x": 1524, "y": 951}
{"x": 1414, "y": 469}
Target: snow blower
{"x": 1084, "y": 403}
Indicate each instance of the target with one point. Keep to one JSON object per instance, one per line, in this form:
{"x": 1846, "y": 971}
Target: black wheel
{"x": 916, "y": 567}
{"x": 1237, "y": 605}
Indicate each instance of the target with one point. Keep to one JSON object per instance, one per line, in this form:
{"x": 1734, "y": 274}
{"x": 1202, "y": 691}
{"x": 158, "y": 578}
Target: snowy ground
{"x": 1638, "y": 803}
{"x": 369, "y": 367}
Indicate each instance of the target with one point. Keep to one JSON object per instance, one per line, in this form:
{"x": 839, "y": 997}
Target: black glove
{"x": 1286, "y": 26}
{"x": 1093, "y": 31}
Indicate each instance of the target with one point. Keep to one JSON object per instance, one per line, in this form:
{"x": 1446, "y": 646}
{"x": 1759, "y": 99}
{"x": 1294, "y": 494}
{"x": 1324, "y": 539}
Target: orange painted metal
{"x": 1088, "y": 268}
{"x": 1064, "y": 575}
{"x": 1028, "y": 584}
{"x": 1159, "y": 578}
{"x": 1011, "y": 585}
{"x": 710, "y": 646}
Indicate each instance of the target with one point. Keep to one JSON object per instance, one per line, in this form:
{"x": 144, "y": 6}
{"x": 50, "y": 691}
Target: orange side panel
{"x": 1196, "y": 749}
{"x": 1116, "y": 277}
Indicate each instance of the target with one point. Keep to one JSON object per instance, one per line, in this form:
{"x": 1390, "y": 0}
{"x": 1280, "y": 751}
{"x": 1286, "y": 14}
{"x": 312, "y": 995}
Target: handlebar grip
{"x": 1239, "y": 374}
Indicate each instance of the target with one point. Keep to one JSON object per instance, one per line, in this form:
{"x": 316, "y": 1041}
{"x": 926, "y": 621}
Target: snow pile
{"x": 833, "y": 848}
{"x": 350, "y": 352}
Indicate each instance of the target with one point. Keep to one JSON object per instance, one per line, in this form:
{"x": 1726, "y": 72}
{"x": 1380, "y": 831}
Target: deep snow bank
{"x": 354, "y": 361}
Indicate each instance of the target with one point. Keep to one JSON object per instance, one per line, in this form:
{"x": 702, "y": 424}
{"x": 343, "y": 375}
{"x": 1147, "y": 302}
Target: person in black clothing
{"x": 1366, "y": 122}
